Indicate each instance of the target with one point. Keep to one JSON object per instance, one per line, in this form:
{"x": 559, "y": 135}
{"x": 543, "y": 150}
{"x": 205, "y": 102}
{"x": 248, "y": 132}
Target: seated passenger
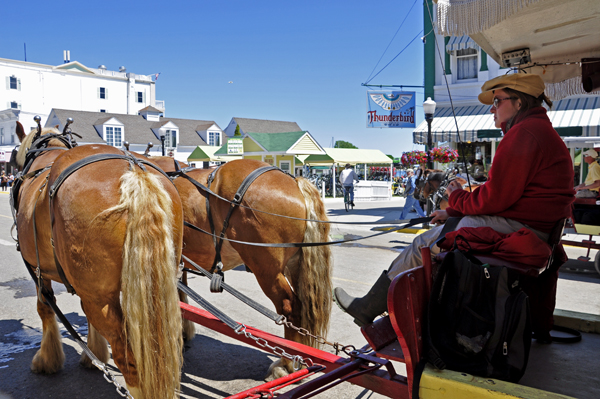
{"x": 589, "y": 188}
{"x": 510, "y": 200}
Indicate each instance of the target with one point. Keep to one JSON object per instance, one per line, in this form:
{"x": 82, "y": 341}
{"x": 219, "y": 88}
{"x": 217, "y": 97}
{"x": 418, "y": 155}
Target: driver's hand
{"x": 439, "y": 217}
{"x": 453, "y": 186}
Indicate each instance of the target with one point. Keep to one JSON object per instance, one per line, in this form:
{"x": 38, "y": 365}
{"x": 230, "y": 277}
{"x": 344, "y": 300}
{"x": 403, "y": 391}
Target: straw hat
{"x": 523, "y": 82}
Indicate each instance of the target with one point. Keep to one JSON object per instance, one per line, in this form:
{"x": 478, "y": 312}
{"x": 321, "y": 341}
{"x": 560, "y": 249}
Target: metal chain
{"x": 297, "y": 360}
{"x": 121, "y": 390}
{"x": 320, "y": 340}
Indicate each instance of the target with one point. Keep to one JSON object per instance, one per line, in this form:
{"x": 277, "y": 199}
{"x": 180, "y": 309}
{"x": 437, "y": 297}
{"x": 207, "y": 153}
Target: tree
{"x": 237, "y": 131}
{"x": 344, "y": 144}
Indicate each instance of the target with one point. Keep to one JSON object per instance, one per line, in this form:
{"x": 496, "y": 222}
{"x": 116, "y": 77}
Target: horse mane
{"x": 436, "y": 176}
{"x": 28, "y": 140}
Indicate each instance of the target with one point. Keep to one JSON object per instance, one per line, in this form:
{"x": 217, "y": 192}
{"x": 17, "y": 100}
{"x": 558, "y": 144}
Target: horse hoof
{"x": 41, "y": 365}
{"x": 275, "y": 372}
{"x": 189, "y": 330}
{"x": 85, "y": 361}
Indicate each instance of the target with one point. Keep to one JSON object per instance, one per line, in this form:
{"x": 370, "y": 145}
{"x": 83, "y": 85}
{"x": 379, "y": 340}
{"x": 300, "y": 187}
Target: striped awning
{"x": 443, "y": 128}
{"x": 460, "y": 43}
{"x": 574, "y": 119}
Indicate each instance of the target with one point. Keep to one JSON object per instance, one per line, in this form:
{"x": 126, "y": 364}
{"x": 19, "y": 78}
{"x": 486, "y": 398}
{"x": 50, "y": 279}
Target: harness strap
{"x": 97, "y": 158}
{"x": 237, "y": 199}
{"x": 72, "y": 169}
{"x": 209, "y": 180}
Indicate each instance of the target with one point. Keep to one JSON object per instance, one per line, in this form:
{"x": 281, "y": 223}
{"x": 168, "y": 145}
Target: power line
{"x": 392, "y": 60}
{"x": 390, "y": 43}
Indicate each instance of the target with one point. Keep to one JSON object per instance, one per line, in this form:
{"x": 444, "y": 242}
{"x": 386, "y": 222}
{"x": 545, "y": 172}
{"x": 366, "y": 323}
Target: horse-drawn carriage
{"x": 53, "y": 208}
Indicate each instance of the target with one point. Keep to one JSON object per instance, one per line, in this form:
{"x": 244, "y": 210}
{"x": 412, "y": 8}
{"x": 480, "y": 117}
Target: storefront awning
{"x": 470, "y": 120}
{"x": 353, "y": 156}
{"x": 460, "y": 43}
{"x": 574, "y": 119}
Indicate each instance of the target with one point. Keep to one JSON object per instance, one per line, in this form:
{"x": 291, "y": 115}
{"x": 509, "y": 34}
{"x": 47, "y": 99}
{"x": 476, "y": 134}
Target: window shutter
{"x": 106, "y": 93}
{"x": 144, "y": 97}
{"x": 19, "y": 84}
{"x": 8, "y": 83}
{"x": 98, "y": 92}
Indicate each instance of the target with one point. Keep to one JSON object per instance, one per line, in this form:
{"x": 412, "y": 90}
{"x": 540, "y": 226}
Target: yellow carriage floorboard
{"x": 447, "y": 384}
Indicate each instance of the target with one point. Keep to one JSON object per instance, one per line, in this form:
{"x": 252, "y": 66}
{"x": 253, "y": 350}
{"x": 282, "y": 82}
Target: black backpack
{"x": 478, "y": 319}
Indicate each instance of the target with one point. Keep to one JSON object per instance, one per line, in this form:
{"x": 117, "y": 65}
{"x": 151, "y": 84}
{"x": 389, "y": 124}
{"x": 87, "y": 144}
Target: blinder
{"x": 13, "y": 157}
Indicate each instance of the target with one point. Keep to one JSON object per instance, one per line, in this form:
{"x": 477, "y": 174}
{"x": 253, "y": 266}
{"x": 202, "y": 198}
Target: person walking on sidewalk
{"x": 529, "y": 186}
{"x": 411, "y": 202}
{"x": 347, "y": 178}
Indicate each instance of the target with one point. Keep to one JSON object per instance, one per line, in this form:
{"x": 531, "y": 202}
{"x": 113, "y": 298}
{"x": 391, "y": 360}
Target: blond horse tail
{"x": 313, "y": 285}
{"x": 150, "y": 302}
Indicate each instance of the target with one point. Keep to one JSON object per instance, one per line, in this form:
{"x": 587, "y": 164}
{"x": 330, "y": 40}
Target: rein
{"x": 412, "y": 222}
{"x": 208, "y": 191}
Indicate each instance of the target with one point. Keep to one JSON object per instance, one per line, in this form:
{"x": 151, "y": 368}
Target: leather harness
{"x": 217, "y": 267}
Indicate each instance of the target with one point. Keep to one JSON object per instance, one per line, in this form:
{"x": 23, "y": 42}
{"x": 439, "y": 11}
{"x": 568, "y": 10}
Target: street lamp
{"x": 429, "y": 109}
{"x": 162, "y": 141}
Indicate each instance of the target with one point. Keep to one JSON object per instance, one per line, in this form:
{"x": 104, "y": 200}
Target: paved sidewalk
{"x": 568, "y": 369}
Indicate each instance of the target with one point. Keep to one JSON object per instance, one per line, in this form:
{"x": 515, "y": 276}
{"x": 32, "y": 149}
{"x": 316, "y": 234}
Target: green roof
{"x": 198, "y": 154}
{"x": 222, "y": 150}
{"x": 276, "y": 142}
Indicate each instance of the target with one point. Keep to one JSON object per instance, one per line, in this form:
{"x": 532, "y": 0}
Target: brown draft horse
{"x": 296, "y": 280}
{"x": 435, "y": 187}
{"x": 117, "y": 234}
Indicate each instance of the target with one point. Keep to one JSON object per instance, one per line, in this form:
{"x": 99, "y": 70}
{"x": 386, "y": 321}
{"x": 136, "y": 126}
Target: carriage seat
{"x": 525, "y": 269}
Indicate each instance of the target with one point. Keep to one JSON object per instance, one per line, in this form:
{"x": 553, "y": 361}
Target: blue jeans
{"x": 411, "y": 202}
{"x": 350, "y": 190}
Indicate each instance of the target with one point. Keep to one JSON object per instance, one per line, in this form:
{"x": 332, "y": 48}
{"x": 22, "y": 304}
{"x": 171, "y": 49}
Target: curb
{"x": 584, "y": 322}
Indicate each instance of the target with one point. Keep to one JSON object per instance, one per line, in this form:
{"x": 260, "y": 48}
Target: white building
{"x": 31, "y": 89}
{"x": 181, "y": 136}
{"x": 465, "y": 67}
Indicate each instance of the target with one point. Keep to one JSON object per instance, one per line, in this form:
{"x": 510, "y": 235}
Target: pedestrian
{"x": 529, "y": 186}
{"x": 3, "y": 181}
{"x": 347, "y": 178}
{"x": 411, "y": 202}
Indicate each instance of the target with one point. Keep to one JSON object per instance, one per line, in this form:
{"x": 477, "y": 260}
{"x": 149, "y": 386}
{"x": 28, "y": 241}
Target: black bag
{"x": 478, "y": 319}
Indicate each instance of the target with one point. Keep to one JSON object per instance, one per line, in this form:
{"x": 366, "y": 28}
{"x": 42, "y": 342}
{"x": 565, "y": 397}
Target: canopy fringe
{"x": 566, "y": 88}
{"x": 466, "y": 17}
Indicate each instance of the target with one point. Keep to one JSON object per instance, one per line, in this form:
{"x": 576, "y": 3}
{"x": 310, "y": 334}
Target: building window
{"x": 102, "y": 110}
{"x": 214, "y": 138}
{"x": 1, "y": 135}
{"x": 14, "y": 105}
{"x": 171, "y": 138}
{"x": 285, "y": 166}
{"x": 13, "y": 83}
{"x": 140, "y": 96}
{"x": 466, "y": 64}
{"x": 113, "y": 136}
{"x": 102, "y": 93}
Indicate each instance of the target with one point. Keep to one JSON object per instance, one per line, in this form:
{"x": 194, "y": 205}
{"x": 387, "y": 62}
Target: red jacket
{"x": 531, "y": 178}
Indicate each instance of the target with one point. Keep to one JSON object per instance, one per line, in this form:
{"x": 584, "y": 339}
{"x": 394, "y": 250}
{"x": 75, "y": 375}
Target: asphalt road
{"x": 216, "y": 366}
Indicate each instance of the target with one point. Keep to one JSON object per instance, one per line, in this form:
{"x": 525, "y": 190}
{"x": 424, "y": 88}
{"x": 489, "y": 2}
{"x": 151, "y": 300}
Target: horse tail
{"x": 148, "y": 282}
{"x": 313, "y": 286}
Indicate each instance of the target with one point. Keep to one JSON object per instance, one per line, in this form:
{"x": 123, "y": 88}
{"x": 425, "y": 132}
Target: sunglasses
{"x": 497, "y": 101}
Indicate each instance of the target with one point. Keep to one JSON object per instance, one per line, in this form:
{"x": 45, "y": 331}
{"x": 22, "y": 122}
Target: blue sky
{"x": 291, "y": 61}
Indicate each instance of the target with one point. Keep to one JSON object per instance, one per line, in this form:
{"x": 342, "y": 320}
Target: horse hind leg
{"x": 97, "y": 344}
{"x": 189, "y": 329}
{"x": 50, "y": 357}
{"x": 275, "y": 285}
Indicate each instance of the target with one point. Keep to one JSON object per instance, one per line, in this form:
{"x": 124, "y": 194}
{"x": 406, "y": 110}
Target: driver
{"x": 510, "y": 200}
